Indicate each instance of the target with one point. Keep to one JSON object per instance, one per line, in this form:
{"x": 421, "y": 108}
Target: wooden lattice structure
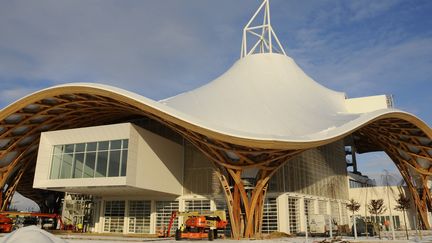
{"x": 406, "y": 139}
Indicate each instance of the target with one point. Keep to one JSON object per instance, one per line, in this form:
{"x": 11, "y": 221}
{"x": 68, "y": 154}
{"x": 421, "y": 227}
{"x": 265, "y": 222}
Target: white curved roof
{"x": 262, "y": 99}
{"x": 265, "y": 95}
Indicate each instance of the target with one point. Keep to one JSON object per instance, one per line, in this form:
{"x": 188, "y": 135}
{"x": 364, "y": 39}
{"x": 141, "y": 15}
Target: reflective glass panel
{"x": 103, "y": 145}
{"x": 55, "y": 166}
{"x": 89, "y": 166}
{"x": 123, "y": 162}
{"x": 115, "y": 144}
{"x": 88, "y": 160}
{"x": 79, "y": 148}
{"x": 114, "y": 163}
{"x": 58, "y": 149}
{"x": 69, "y": 148}
{"x": 78, "y": 165}
{"x": 125, "y": 143}
{"x": 66, "y": 167}
{"x": 91, "y": 146}
{"x": 101, "y": 166}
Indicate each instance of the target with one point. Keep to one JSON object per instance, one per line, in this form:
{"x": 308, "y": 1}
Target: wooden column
{"x": 401, "y": 141}
{"x": 245, "y": 206}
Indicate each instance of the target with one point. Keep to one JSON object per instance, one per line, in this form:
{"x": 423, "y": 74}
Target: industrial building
{"x": 263, "y": 141}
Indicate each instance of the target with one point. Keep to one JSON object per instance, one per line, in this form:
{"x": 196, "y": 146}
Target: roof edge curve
{"x": 210, "y": 130}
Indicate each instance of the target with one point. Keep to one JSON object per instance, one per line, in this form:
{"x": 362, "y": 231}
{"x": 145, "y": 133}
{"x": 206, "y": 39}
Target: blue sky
{"x": 159, "y": 48}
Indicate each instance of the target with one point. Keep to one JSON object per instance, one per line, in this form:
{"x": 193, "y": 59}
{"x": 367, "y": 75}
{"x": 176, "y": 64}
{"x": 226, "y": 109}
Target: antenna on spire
{"x": 262, "y": 35}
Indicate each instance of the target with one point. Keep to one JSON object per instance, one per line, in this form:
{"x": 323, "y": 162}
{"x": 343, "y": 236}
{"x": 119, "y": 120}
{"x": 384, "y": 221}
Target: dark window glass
{"x": 79, "y": 148}
{"x": 114, "y": 163}
{"x": 69, "y": 148}
{"x": 124, "y": 162}
{"x": 78, "y": 165}
{"x": 89, "y": 165}
{"x": 91, "y": 146}
{"x": 125, "y": 143}
{"x": 103, "y": 145}
{"x": 101, "y": 164}
{"x": 115, "y": 144}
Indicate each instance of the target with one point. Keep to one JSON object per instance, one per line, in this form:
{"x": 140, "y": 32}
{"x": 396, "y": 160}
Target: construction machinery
{"x": 198, "y": 225}
{"x": 48, "y": 220}
{"x": 6, "y": 224}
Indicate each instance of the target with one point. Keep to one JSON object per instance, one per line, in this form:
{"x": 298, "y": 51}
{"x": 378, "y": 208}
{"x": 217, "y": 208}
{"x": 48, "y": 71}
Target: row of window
{"x": 89, "y": 160}
{"x": 138, "y": 216}
{"x": 357, "y": 184}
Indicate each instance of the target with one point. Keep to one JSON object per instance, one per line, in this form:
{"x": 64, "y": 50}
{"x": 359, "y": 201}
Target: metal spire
{"x": 262, "y": 35}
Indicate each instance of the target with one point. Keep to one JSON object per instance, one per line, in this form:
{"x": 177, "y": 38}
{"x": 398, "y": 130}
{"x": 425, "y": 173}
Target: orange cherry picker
{"x": 198, "y": 225}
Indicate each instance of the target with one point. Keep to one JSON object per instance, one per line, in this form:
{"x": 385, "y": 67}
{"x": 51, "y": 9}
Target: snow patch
{"x": 31, "y": 234}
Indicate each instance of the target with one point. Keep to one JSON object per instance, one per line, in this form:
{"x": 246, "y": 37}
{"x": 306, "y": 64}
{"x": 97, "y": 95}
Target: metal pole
{"x": 391, "y": 215}
{"x": 366, "y": 225}
{"x": 306, "y": 228}
{"x": 331, "y": 226}
{"x": 355, "y": 226}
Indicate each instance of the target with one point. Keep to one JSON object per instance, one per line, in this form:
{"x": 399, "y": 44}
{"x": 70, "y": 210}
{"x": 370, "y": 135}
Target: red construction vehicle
{"x": 204, "y": 225}
{"x": 6, "y": 221}
{"x": 6, "y": 224}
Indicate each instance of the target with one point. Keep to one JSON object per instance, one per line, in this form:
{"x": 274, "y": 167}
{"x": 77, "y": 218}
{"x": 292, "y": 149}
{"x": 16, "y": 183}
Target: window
{"x": 89, "y": 160}
{"x": 197, "y": 205}
{"x": 322, "y": 207}
{"x": 164, "y": 210}
{"x": 344, "y": 213}
{"x": 139, "y": 216}
{"x": 309, "y": 209}
{"x": 294, "y": 217}
{"x": 114, "y": 216}
{"x": 334, "y": 207}
{"x": 269, "y": 223}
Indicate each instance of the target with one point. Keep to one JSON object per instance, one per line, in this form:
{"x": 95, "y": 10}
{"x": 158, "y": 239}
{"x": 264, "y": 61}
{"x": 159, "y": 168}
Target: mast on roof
{"x": 260, "y": 38}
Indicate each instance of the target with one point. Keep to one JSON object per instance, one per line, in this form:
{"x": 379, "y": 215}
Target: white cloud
{"x": 135, "y": 44}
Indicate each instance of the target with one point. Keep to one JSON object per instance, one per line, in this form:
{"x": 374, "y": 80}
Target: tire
{"x": 210, "y": 235}
{"x": 215, "y": 233}
{"x": 178, "y": 234}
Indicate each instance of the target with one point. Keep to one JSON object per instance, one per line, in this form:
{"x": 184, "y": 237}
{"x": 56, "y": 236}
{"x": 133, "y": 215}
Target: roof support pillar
{"x": 393, "y": 139}
{"x": 245, "y": 202}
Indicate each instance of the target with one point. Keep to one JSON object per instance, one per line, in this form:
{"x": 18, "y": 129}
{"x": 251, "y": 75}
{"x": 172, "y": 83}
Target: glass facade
{"x": 293, "y": 213}
{"x": 164, "y": 210}
{"x": 197, "y": 205}
{"x": 114, "y": 216}
{"x": 89, "y": 160}
{"x": 308, "y": 210}
{"x": 139, "y": 217}
{"x": 270, "y": 220}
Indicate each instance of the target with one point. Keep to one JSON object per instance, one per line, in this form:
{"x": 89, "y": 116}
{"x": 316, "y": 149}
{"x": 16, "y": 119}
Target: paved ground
{"x": 89, "y": 238}
{"x": 287, "y": 240}
{"x": 110, "y": 239}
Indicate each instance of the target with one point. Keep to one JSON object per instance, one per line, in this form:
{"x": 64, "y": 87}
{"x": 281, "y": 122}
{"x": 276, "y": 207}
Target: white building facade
{"x": 138, "y": 177}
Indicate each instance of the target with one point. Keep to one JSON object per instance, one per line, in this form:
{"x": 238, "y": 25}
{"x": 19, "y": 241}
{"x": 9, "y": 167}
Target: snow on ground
{"x": 31, "y": 234}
